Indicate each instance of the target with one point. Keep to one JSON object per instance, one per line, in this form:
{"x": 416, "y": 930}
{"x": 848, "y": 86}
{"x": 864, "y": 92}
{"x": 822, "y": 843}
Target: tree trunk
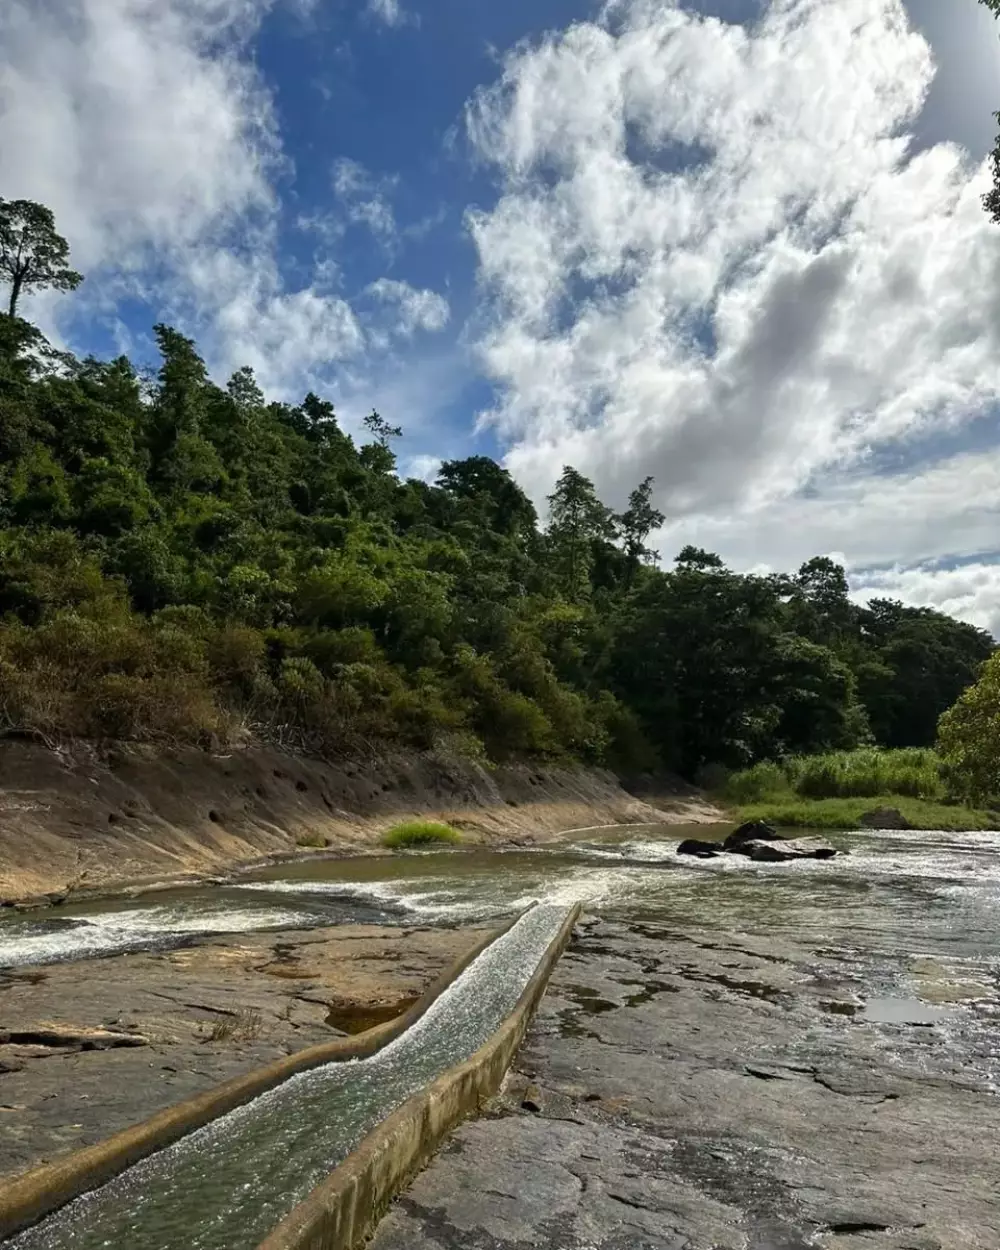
{"x": 15, "y": 291}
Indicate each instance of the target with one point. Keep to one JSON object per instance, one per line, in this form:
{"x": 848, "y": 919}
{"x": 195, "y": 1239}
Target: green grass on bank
{"x": 834, "y": 790}
{"x": 795, "y": 813}
{"x": 865, "y": 774}
{"x": 419, "y": 833}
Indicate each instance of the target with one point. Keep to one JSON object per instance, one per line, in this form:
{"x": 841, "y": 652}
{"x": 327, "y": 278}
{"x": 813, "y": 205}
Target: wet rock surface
{"x": 90, "y": 1048}
{"x": 760, "y": 842}
{"x": 683, "y": 1089}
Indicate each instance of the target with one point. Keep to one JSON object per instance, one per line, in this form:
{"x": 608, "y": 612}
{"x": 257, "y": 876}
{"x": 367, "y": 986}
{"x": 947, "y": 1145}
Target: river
{"x": 904, "y": 925}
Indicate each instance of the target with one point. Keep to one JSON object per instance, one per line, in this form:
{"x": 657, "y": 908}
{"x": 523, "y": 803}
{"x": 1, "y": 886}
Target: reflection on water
{"x": 227, "y": 1185}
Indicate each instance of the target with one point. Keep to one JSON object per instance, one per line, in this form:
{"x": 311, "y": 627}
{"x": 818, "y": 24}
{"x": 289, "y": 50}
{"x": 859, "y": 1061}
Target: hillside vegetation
{"x": 190, "y": 562}
{"x": 835, "y": 789}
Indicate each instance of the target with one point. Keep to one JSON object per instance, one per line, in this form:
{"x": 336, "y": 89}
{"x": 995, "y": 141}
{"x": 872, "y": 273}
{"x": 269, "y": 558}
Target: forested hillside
{"x": 184, "y": 561}
{"x": 189, "y": 562}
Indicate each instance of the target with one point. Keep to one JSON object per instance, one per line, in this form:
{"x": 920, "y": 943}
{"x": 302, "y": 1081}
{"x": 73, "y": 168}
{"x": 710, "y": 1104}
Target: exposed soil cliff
{"x": 77, "y": 818}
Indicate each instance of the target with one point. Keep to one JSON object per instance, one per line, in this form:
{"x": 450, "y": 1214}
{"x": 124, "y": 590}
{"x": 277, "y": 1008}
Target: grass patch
{"x": 419, "y": 833}
{"x": 245, "y": 1026}
{"x": 797, "y": 813}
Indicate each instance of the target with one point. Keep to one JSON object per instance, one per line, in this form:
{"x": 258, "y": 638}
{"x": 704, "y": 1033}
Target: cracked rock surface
{"x": 92, "y": 1047}
{"x": 685, "y": 1090}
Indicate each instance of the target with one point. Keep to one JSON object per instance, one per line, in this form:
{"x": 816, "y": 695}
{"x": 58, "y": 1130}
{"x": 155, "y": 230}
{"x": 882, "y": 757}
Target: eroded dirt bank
{"x": 89, "y": 1048}
{"x": 79, "y": 819}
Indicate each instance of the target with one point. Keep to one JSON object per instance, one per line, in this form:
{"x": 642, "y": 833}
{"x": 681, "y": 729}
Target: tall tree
{"x": 637, "y": 522}
{"x": 32, "y": 254}
{"x": 577, "y": 521}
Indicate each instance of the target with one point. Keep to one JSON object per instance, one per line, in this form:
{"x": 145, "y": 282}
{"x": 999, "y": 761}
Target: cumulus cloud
{"x": 416, "y": 309}
{"x": 139, "y": 124}
{"x": 970, "y": 592}
{"x": 940, "y": 512}
{"x": 717, "y": 258}
{"x": 149, "y": 131}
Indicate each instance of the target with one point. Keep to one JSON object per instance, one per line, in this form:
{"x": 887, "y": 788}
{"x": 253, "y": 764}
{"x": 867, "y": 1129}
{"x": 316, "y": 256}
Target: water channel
{"x": 910, "y": 920}
{"x": 227, "y": 1185}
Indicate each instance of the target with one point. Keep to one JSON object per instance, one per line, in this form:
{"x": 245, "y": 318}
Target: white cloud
{"x": 415, "y": 309}
{"x": 364, "y": 201}
{"x": 392, "y": 13}
{"x": 424, "y": 468}
{"x": 139, "y": 124}
{"x": 942, "y": 512}
{"x": 148, "y": 130}
{"x": 713, "y": 260}
{"x": 970, "y": 592}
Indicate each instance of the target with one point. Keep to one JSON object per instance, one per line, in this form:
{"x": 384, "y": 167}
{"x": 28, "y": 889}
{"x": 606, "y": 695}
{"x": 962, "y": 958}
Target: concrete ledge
{"x": 35, "y": 1194}
{"x": 342, "y": 1211}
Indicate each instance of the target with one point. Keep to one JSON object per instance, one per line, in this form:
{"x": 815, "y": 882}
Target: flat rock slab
{"x": 710, "y": 1102}
{"x": 89, "y": 1048}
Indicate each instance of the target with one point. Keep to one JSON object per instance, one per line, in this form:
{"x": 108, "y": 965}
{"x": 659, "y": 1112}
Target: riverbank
{"x": 720, "y": 1091}
{"x": 79, "y": 820}
{"x": 92, "y": 1047}
{"x": 795, "y": 812}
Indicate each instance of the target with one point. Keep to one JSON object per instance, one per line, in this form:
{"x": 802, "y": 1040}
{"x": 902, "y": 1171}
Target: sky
{"x": 736, "y": 245}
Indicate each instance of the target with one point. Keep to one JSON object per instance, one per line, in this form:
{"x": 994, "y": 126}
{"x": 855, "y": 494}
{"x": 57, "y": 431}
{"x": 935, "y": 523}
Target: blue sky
{"x": 743, "y": 254}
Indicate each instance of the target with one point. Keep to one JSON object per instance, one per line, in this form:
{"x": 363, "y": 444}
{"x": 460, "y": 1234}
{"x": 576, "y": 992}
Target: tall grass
{"x": 914, "y": 773}
{"x": 791, "y": 813}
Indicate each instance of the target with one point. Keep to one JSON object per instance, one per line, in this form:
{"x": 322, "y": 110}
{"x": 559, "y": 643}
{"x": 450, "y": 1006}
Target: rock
{"x": 532, "y": 1100}
{"x": 752, "y": 831}
{"x": 703, "y": 850}
{"x": 783, "y": 852}
{"x": 884, "y": 818}
{"x": 71, "y": 1037}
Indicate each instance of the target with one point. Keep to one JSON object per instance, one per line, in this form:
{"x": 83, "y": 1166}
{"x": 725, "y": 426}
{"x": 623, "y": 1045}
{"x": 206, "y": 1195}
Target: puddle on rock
{"x": 357, "y": 1018}
{"x": 903, "y": 1011}
{"x": 589, "y": 1000}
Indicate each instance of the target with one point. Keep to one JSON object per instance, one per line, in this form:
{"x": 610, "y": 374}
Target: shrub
{"x": 420, "y": 833}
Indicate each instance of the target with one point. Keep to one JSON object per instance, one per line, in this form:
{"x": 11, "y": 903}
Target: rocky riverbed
{"x": 697, "y": 1089}
{"x": 91, "y": 1047}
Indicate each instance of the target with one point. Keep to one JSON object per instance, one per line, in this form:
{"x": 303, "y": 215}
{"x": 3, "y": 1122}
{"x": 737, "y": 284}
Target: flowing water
{"x": 225, "y": 1186}
{"x": 908, "y": 922}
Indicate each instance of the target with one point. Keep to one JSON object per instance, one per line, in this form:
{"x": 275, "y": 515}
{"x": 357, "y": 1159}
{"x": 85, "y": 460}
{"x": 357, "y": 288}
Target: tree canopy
{"x": 32, "y": 254}
{"x": 190, "y": 562}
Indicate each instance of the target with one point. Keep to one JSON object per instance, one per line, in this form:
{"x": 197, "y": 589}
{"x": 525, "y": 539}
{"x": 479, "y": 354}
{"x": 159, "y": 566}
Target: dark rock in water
{"x": 703, "y": 850}
{"x": 783, "y": 852}
{"x": 752, "y": 831}
{"x": 884, "y": 818}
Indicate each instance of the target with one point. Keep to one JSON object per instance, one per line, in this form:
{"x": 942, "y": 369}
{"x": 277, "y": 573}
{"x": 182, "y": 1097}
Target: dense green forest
{"x": 189, "y": 562}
